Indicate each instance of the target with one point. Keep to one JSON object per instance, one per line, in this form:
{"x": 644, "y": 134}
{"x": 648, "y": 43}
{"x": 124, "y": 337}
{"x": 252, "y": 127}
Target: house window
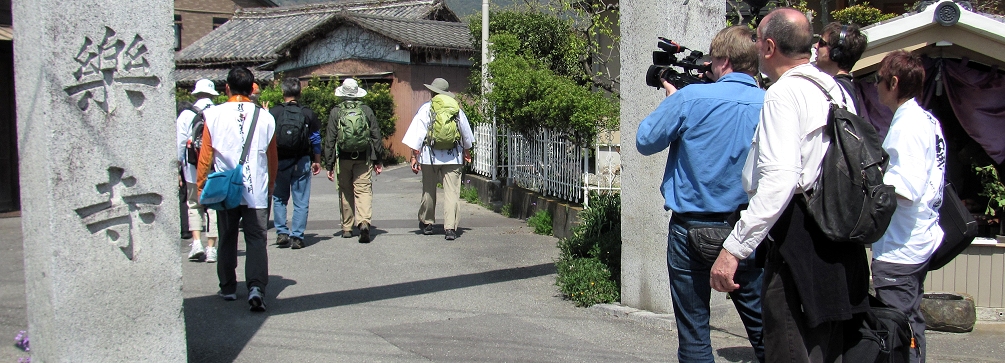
{"x": 217, "y": 22}
{"x": 177, "y": 32}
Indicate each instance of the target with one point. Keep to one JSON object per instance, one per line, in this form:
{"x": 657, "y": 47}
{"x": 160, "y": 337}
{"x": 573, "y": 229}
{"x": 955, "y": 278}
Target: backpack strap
{"x": 844, "y": 101}
{"x": 251, "y": 133}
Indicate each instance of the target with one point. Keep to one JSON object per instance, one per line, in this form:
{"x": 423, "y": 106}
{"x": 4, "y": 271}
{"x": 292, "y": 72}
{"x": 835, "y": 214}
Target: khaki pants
{"x": 355, "y": 191}
{"x": 450, "y": 176}
{"x": 197, "y": 214}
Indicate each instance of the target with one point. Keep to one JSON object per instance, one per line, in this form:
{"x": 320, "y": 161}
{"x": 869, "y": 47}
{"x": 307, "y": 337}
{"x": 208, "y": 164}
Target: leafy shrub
{"x": 589, "y": 264}
{"x": 470, "y": 194}
{"x": 587, "y": 281}
{"x": 507, "y": 210}
{"x": 993, "y": 188}
{"x": 860, "y": 14}
{"x": 541, "y": 221}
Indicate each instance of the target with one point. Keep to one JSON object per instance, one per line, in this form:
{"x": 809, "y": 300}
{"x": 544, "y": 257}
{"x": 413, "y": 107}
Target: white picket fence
{"x": 547, "y": 162}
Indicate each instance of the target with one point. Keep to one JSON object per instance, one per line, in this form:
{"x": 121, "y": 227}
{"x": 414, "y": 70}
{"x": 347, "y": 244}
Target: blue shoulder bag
{"x": 225, "y": 189}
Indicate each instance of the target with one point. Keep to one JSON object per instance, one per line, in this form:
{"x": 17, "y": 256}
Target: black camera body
{"x": 666, "y": 59}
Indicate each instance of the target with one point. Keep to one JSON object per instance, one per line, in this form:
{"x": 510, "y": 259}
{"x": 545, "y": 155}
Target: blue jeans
{"x": 294, "y": 179}
{"x": 691, "y": 292}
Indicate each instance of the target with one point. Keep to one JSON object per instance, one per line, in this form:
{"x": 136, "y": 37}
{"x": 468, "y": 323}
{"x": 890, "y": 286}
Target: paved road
{"x": 488, "y": 296}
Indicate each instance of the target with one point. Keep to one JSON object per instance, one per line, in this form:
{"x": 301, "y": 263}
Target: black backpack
{"x": 292, "y": 137}
{"x": 195, "y": 135}
{"x": 850, "y": 203}
{"x": 883, "y": 334}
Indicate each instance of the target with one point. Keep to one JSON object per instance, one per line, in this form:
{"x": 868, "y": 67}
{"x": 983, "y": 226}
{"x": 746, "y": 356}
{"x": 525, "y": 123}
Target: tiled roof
{"x": 256, "y": 35}
{"x": 189, "y": 76}
{"x": 410, "y": 33}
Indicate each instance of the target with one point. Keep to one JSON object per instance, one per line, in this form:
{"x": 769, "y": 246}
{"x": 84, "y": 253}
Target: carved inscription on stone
{"x": 110, "y": 68}
{"x": 119, "y": 216}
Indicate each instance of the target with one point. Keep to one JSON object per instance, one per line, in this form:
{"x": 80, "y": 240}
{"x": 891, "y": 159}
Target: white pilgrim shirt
{"x": 184, "y": 124}
{"x": 227, "y": 124}
{"x": 917, "y": 169}
{"x": 415, "y": 136}
{"x": 786, "y": 154}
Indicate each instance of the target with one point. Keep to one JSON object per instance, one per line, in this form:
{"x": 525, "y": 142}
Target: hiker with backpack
{"x": 440, "y": 138}
{"x": 298, "y": 142}
{"x": 241, "y": 136}
{"x": 353, "y": 152}
{"x": 812, "y": 284}
{"x": 190, "y": 125}
{"x": 917, "y": 170}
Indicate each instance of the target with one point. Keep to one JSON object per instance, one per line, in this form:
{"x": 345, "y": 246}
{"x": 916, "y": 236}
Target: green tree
{"x": 861, "y": 14}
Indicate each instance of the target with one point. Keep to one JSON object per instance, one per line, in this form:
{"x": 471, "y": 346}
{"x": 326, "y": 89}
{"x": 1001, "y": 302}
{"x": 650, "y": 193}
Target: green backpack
{"x": 443, "y": 133}
{"x": 354, "y": 129}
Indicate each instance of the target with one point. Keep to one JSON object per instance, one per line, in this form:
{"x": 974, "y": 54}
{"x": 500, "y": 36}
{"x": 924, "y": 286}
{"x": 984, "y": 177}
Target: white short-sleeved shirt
{"x": 917, "y": 169}
{"x": 184, "y": 125}
{"x": 415, "y": 136}
{"x": 227, "y": 124}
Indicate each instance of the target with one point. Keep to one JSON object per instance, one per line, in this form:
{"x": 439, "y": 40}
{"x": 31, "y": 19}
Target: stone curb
{"x": 661, "y": 321}
{"x": 991, "y": 314}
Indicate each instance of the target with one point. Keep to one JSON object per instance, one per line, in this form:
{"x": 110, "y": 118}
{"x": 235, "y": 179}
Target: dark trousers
{"x": 787, "y": 335}
{"x": 901, "y": 287}
{"x": 256, "y": 264}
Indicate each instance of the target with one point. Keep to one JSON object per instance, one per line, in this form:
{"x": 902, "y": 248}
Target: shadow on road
{"x": 217, "y": 330}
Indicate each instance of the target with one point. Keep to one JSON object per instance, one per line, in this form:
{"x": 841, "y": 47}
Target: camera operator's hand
{"x": 708, "y": 74}
{"x": 669, "y": 87}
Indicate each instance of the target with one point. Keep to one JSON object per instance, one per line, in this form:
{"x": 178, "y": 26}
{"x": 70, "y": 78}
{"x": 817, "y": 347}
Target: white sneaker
{"x": 197, "y": 252}
{"x": 210, "y": 254}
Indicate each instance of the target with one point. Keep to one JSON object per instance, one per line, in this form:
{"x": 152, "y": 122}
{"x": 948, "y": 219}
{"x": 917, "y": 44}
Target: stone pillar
{"x": 95, "y": 110}
{"x": 644, "y": 279}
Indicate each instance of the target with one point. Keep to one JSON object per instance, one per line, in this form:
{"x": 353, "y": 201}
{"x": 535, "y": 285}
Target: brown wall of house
{"x": 406, "y": 86}
{"x": 197, "y": 15}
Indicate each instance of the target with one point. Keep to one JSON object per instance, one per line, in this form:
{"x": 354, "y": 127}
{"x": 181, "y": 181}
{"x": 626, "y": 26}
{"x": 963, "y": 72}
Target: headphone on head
{"x": 837, "y": 50}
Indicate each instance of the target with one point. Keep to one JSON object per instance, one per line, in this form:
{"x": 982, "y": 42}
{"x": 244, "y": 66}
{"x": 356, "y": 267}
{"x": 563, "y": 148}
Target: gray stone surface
{"x": 95, "y": 106}
{"x": 644, "y": 222}
{"x": 949, "y": 312}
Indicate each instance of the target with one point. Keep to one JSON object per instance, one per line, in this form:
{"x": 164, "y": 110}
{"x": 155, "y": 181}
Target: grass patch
{"x": 470, "y": 194}
{"x": 541, "y": 221}
{"x": 589, "y": 263}
{"x": 507, "y": 210}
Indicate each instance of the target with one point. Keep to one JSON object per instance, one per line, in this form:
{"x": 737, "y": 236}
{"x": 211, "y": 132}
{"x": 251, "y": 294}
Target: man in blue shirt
{"x": 708, "y": 128}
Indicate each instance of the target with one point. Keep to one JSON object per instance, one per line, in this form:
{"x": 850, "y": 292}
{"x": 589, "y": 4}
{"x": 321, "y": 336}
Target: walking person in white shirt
{"x": 198, "y": 218}
{"x": 439, "y": 165}
{"x": 227, "y": 126}
{"x": 917, "y": 170}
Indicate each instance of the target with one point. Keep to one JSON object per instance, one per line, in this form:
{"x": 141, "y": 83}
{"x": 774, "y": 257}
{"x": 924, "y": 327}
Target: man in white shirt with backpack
{"x": 188, "y": 140}
{"x": 441, "y": 139}
{"x": 227, "y": 127}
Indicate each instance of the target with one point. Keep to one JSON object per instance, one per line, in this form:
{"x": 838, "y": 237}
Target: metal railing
{"x": 547, "y": 162}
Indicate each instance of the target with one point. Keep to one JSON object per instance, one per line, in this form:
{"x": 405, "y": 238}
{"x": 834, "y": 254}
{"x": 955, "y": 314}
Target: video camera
{"x": 664, "y": 60}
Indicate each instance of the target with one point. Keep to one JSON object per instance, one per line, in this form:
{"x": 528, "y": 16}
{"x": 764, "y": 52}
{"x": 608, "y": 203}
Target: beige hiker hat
{"x": 350, "y": 88}
{"x": 440, "y": 86}
{"x": 205, "y": 86}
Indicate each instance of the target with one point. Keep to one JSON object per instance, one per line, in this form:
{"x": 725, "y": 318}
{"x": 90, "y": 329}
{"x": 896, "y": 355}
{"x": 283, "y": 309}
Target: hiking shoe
{"x": 297, "y": 244}
{"x": 227, "y": 297}
{"x": 256, "y": 300}
{"x": 364, "y": 233}
{"x": 427, "y": 229}
{"x": 450, "y": 235}
{"x": 211, "y": 254}
{"x": 197, "y": 252}
{"x": 347, "y": 234}
{"x": 283, "y": 240}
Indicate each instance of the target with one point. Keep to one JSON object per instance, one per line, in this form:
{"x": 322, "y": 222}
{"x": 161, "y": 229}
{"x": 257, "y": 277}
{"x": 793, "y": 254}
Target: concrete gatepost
{"x": 644, "y": 278}
{"x": 95, "y": 111}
